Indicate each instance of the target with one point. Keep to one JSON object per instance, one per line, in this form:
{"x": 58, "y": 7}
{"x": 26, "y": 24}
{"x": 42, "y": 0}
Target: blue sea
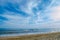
{"x": 18, "y": 32}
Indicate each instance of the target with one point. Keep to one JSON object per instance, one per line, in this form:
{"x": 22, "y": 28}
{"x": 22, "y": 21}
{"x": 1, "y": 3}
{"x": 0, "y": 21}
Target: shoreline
{"x": 23, "y": 34}
{"x": 52, "y": 36}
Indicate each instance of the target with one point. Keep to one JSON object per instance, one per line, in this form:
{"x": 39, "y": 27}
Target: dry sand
{"x": 49, "y": 36}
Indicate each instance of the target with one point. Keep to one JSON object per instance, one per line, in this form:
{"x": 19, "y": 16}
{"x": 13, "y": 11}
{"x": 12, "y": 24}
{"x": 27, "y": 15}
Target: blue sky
{"x": 29, "y": 14}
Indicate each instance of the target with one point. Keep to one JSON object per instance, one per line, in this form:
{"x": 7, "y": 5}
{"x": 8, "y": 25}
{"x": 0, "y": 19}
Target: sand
{"x": 49, "y": 36}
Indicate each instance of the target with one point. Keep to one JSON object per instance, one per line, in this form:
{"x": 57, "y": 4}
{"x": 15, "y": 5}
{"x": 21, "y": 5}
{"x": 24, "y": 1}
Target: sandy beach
{"x": 48, "y": 36}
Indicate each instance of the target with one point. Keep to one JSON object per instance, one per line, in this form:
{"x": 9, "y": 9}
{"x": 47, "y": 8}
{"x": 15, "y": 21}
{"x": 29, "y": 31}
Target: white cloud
{"x": 55, "y": 13}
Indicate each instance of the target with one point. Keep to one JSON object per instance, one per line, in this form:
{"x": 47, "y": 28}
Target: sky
{"x": 29, "y": 13}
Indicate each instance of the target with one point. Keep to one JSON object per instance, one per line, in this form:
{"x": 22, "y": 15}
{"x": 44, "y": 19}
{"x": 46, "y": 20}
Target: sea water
{"x": 21, "y": 32}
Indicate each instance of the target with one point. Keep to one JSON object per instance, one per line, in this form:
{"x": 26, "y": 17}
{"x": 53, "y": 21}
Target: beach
{"x": 47, "y": 36}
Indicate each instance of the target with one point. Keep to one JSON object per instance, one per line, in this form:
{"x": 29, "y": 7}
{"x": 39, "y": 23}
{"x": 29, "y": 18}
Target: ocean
{"x": 16, "y": 32}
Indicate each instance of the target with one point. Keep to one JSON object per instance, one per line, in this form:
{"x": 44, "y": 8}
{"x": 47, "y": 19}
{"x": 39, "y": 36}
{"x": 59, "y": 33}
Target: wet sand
{"x": 49, "y": 36}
